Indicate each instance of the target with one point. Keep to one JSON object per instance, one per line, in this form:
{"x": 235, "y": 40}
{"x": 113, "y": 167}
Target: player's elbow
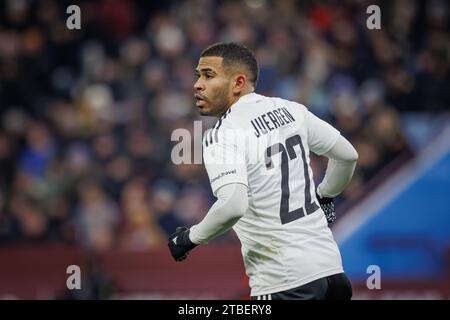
{"x": 235, "y": 202}
{"x": 349, "y": 158}
{"x": 353, "y": 156}
{"x": 238, "y": 207}
{"x": 241, "y": 208}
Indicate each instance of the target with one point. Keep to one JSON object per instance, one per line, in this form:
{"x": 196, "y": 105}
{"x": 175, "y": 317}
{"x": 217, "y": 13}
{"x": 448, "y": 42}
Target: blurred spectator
{"x": 97, "y": 218}
{"x": 140, "y": 228}
{"x": 39, "y": 151}
{"x": 163, "y": 200}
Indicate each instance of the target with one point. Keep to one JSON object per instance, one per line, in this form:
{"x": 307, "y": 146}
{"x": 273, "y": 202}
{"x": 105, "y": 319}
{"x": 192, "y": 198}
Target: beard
{"x": 216, "y": 107}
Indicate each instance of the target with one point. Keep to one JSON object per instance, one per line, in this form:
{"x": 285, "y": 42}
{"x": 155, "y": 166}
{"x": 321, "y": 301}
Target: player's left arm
{"x": 231, "y": 204}
{"x": 226, "y": 166}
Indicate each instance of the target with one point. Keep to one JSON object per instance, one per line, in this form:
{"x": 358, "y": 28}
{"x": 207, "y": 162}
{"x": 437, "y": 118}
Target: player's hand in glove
{"x": 327, "y": 205}
{"x": 180, "y": 244}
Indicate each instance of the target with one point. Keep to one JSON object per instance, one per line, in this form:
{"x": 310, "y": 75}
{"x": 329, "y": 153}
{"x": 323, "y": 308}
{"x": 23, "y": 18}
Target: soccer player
{"x": 257, "y": 159}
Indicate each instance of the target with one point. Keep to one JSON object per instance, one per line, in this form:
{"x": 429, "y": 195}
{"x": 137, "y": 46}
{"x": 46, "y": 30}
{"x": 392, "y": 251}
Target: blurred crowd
{"x": 87, "y": 115}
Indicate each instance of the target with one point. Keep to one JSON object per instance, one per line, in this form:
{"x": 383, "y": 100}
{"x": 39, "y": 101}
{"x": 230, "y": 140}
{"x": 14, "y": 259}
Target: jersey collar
{"x": 245, "y": 99}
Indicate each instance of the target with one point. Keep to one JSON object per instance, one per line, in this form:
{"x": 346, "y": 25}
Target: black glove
{"x": 180, "y": 244}
{"x": 327, "y": 205}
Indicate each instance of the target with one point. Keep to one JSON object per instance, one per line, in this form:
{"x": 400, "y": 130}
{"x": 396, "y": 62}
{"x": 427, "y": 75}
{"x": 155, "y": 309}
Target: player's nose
{"x": 198, "y": 85}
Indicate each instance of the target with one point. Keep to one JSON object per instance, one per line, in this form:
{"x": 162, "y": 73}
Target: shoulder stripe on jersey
{"x": 218, "y": 124}
{"x": 205, "y": 139}
{"x": 208, "y": 136}
{"x": 216, "y": 135}
{"x": 212, "y": 136}
{"x": 225, "y": 115}
{"x": 216, "y": 130}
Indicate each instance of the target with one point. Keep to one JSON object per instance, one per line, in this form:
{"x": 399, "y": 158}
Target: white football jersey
{"x": 264, "y": 143}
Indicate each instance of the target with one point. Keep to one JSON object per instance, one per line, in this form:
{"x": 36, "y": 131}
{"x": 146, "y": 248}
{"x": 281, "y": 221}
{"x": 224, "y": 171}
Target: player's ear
{"x": 240, "y": 81}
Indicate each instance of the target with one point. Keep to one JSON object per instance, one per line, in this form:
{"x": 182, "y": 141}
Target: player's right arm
{"x": 342, "y": 159}
{"x": 323, "y": 139}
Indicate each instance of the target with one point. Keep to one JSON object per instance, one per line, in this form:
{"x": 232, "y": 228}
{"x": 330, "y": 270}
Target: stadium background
{"x": 86, "y": 118}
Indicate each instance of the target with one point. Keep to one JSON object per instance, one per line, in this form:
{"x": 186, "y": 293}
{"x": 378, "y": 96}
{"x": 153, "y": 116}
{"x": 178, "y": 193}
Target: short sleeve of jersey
{"x": 224, "y": 158}
{"x": 321, "y": 135}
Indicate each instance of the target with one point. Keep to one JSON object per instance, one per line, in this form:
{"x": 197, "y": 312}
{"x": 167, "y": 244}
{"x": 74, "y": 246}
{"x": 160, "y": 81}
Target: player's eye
{"x": 208, "y": 76}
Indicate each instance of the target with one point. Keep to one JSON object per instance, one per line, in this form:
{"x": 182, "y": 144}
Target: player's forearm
{"x": 231, "y": 204}
{"x": 340, "y": 169}
{"x": 337, "y": 177}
